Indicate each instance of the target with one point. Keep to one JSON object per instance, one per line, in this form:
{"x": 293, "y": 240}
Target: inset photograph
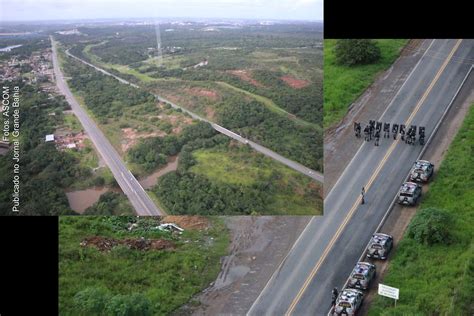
{"x": 172, "y": 265}
{"x": 122, "y": 112}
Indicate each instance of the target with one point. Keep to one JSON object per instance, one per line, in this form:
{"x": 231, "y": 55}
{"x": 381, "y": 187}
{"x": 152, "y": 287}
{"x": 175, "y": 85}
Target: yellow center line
{"x": 368, "y": 185}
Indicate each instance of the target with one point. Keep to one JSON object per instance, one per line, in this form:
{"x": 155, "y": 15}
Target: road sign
{"x": 388, "y": 291}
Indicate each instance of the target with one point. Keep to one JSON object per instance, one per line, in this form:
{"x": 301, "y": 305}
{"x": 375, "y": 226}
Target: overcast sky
{"x": 26, "y": 10}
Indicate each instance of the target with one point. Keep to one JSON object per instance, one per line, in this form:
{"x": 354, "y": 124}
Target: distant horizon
{"x": 77, "y": 10}
{"x": 124, "y": 19}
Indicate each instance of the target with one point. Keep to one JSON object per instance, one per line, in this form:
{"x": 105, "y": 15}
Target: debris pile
{"x": 106, "y": 243}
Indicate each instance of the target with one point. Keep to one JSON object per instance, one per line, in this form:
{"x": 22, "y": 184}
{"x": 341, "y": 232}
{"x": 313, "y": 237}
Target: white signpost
{"x": 389, "y": 291}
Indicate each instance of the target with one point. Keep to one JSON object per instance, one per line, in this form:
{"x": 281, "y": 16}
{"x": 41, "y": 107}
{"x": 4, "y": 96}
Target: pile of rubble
{"x": 106, "y": 243}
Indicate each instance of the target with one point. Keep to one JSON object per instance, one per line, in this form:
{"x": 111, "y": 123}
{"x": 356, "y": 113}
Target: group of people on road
{"x": 374, "y": 130}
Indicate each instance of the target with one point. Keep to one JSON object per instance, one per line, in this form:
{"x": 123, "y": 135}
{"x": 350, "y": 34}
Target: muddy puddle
{"x": 82, "y": 199}
{"x": 151, "y": 180}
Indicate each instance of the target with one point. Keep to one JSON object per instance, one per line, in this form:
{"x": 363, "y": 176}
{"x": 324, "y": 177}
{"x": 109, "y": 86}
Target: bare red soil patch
{"x": 295, "y": 83}
{"x": 246, "y": 75}
{"x": 203, "y": 93}
{"x": 106, "y": 244}
{"x": 130, "y": 137}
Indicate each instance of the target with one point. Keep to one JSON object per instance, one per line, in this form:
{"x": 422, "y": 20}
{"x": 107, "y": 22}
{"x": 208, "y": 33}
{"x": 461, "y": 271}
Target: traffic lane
{"x": 356, "y": 235}
{"x": 366, "y": 161}
{"x": 103, "y": 146}
{"x": 354, "y": 240}
{"x": 328, "y": 227}
{"x": 397, "y": 112}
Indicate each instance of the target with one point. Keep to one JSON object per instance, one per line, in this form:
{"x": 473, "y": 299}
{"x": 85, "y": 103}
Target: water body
{"x": 9, "y": 48}
{"x": 82, "y": 199}
{"x": 149, "y": 181}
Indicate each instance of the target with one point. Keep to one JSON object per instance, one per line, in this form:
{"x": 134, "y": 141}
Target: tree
{"x": 430, "y": 226}
{"x": 352, "y": 52}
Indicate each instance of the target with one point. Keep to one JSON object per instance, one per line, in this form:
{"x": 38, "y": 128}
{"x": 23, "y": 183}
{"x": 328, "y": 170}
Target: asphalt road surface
{"x": 329, "y": 247}
{"x": 318, "y": 176}
{"x": 139, "y": 199}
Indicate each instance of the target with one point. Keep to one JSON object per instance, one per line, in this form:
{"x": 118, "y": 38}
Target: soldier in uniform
{"x": 357, "y": 129}
{"x": 386, "y": 130}
{"x": 372, "y": 128}
{"x": 367, "y": 133}
{"x": 395, "y": 130}
{"x": 377, "y": 137}
{"x": 421, "y": 131}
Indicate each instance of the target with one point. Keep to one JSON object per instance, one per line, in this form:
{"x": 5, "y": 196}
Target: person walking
{"x": 362, "y": 194}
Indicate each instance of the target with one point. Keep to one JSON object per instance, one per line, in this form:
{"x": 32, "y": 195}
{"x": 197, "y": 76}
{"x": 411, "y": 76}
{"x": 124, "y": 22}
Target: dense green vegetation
{"x": 153, "y": 152}
{"x": 45, "y": 171}
{"x": 110, "y": 203}
{"x": 290, "y": 118}
{"x": 231, "y": 179}
{"x": 438, "y": 278}
{"x": 351, "y": 52}
{"x": 126, "y": 281}
{"x": 343, "y": 84}
{"x": 29, "y": 44}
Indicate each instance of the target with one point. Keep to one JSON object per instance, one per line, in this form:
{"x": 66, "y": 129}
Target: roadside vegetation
{"x": 45, "y": 171}
{"x": 124, "y": 265}
{"x": 344, "y": 82}
{"x": 434, "y": 263}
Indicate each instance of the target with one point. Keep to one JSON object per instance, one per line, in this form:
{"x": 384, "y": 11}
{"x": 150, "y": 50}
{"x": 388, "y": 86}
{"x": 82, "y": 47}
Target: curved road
{"x": 139, "y": 199}
{"x": 329, "y": 247}
{"x": 318, "y": 176}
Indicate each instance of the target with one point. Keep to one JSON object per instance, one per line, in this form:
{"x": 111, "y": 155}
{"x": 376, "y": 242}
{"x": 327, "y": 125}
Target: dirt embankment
{"x": 246, "y": 75}
{"x": 257, "y": 247}
{"x": 295, "y": 83}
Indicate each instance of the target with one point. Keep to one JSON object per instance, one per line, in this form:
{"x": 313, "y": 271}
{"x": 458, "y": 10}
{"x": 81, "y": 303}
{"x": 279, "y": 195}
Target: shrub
{"x": 430, "y": 226}
{"x": 91, "y": 301}
{"x": 129, "y": 305}
{"x": 352, "y": 52}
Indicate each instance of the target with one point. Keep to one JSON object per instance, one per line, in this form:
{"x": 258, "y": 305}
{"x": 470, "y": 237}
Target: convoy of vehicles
{"x": 350, "y": 298}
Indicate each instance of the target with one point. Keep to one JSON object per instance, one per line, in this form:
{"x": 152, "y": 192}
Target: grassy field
{"x": 165, "y": 278}
{"x": 343, "y": 85}
{"x": 439, "y": 279}
{"x": 242, "y": 167}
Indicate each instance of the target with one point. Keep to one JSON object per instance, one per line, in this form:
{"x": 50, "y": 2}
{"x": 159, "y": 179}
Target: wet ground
{"x": 258, "y": 246}
{"x": 151, "y": 180}
{"x": 82, "y": 199}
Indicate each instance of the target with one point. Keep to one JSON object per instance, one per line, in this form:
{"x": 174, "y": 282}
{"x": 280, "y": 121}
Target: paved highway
{"x": 139, "y": 199}
{"x": 329, "y": 247}
{"x": 290, "y": 163}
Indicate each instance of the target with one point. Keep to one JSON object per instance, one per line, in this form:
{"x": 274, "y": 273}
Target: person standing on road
{"x": 335, "y": 294}
{"x": 362, "y": 194}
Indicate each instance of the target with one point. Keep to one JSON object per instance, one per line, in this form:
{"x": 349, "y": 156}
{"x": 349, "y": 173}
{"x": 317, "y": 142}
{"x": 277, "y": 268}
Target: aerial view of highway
{"x": 232, "y": 158}
{"x": 326, "y": 252}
